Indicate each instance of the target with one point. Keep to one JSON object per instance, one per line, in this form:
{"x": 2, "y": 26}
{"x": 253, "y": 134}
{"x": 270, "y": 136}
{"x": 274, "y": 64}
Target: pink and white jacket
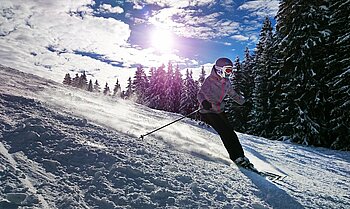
{"x": 214, "y": 90}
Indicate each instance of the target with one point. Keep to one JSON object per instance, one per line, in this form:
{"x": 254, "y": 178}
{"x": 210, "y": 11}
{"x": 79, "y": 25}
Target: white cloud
{"x": 108, "y": 8}
{"x": 172, "y": 3}
{"x": 254, "y": 38}
{"x": 240, "y": 38}
{"x": 261, "y": 8}
{"x": 195, "y": 23}
{"x": 29, "y": 28}
{"x": 191, "y": 23}
{"x": 53, "y": 24}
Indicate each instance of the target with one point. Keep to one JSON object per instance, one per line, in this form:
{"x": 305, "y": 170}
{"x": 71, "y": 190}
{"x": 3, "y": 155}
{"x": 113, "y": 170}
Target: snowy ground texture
{"x": 64, "y": 148}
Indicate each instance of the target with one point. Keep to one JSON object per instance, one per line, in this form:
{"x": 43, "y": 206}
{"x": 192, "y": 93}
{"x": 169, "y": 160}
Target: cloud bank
{"x": 55, "y": 37}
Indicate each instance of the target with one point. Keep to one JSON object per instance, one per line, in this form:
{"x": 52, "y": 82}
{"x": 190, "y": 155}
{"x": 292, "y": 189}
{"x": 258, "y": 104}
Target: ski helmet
{"x": 223, "y": 67}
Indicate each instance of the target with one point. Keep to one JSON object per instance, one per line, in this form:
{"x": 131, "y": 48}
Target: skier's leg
{"x": 229, "y": 138}
{"x": 234, "y": 148}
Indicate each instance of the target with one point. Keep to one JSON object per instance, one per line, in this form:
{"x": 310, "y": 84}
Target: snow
{"x": 65, "y": 148}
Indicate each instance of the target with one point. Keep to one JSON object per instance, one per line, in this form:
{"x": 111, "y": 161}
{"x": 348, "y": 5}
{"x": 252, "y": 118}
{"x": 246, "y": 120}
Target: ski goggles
{"x": 224, "y": 71}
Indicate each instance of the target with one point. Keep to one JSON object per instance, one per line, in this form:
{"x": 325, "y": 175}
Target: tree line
{"x": 80, "y": 81}
{"x": 297, "y": 81}
{"x": 163, "y": 89}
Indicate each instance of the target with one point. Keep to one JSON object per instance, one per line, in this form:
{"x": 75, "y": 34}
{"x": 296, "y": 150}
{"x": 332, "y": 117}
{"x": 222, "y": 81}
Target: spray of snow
{"x": 133, "y": 120}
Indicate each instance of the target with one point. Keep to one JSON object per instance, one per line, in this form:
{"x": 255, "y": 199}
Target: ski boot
{"x": 244, "y": 163}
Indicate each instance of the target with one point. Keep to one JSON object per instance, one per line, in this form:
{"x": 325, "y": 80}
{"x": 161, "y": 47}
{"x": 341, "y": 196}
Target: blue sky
{"x": 200, "y": 30}
{"x": 105, "y": 38}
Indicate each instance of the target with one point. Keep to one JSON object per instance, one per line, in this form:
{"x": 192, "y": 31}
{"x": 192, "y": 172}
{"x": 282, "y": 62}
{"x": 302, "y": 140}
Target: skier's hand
{"x": 206, "y": 105}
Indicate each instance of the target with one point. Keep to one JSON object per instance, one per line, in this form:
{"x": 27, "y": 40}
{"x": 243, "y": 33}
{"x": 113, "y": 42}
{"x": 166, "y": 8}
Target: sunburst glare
{"x": 162, "y": 40}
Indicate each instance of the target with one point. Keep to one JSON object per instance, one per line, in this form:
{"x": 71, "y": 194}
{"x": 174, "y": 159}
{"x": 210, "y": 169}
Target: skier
{"x": 211, "y": 95}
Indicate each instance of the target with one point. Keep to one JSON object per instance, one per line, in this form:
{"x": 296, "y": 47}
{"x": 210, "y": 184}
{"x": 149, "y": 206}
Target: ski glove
{"x": 206, "y": 105}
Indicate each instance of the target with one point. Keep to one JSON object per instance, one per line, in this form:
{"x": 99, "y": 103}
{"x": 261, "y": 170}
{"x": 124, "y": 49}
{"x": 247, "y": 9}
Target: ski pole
{"x": 142, "y": 136}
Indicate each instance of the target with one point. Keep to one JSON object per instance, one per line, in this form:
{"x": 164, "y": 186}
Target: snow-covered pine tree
{"x": 106, "y": 90}
{"x": 129, "y": 93}
{"x": 67, "y": 79}
{"x": 177, "y": 88}
{"x": 300, "y": 23}
{"x": 281, "y": 78}
{"x": 202, "y": 76}
{"x": 82, "y": 82}
{"x": 246, "y": 88}
{"x": 195, "y": 103}
{"x": 173, "y": 89}
{"x": 148, "y": 93}
{"x": 97, "y": 87}
{"x": 189, "y": 102}
{"x": 169, "y": 90}
{"x": 237, "y": 75}
{"x": 276, "y": 80}
{"x": 90, "y": 86}
{"x": 140, "y": 84}
{"x": 75, "y": 80}
{"x": 338, "y": 78}
{"x": 259, "y": 115}
{"x": 233, "y": 109}
{"x": 156, "y": 90}
{"x": 117, "y": 89}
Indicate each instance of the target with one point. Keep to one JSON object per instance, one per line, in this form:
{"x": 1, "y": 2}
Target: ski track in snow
{"x": 23, "y": 179}
{"x": 65, "y": 148}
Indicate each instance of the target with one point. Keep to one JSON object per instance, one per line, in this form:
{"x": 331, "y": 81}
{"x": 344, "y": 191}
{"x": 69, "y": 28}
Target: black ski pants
{"x": 222, "y": 125}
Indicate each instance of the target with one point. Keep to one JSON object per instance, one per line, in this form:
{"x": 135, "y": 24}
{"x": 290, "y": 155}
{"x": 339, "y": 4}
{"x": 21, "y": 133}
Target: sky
{"x": 108, "y": 39}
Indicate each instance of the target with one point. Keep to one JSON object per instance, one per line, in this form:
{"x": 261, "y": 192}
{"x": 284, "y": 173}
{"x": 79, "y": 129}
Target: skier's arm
{"x": 203, "y": 93}
{"x": 235, "y": 96}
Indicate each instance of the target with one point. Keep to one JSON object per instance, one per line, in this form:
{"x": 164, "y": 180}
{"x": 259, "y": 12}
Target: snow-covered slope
{"x": 64, "y": 148}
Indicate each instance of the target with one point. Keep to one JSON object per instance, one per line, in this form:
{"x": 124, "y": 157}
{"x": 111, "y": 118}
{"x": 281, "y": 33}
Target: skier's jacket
{"x": 214, "y": 90}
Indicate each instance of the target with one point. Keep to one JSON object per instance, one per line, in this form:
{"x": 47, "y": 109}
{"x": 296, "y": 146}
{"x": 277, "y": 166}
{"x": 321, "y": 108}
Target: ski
{"x": 272, "y": 176}
{"x": 268, "y": 175}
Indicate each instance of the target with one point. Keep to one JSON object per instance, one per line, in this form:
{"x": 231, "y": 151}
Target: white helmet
{"x": 223, "y": 67}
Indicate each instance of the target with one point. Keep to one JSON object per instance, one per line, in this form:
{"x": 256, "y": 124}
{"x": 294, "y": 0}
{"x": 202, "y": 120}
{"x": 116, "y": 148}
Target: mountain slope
{"x": 64, "y": 148}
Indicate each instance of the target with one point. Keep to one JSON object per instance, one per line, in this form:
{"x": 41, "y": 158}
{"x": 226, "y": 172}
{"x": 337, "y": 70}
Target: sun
{"x": 162, "y": 40}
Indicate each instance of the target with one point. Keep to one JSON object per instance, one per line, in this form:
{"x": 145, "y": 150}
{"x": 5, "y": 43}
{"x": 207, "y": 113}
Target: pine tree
{"x": 338, "y": 77}
{"x": 90, "y": 86}
{"x": 189, "y": 102}
{"x": 97, "y": 87}
{"x": 129, "y": 91}
{"x": 67, "y": 79}
{"x": 202, "y": 76}
{"x": 276, "y": 114}
{"x": 234, "y": 110}
{"x": 75, "y": 81}
{"x": 169, "y": 91}
{"x": 260, "y": 97}
{"x": 117, "y": 89}
{"x": 150, "y": 78}
{"x": 140, "y": 85}
{"x": 237, "y": 75}
{"x": 177, "y": 88}
{"x": 246, "y": 86}
{"x": 82, "y": 81}
{"x": 106, "y": 90}
{"x": 173, "y": 89}
{"x": 299, "y": 25}
{"x": 156, "y": 90}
